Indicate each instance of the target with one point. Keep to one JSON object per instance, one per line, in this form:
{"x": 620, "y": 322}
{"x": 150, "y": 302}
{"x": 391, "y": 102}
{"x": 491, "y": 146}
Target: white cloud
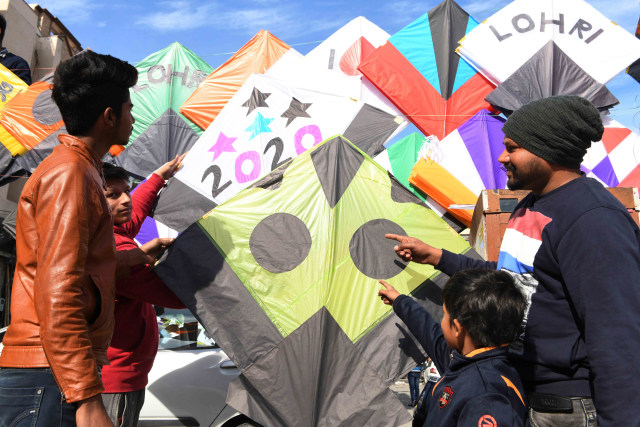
{"x": 70, "y": 11}
{"x": 178, "y": 15}
{"x": 283, "y": 19}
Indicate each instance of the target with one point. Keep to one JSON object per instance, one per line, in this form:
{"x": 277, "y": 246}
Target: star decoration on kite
{"x": 260, "y": 125}
{"x": 296, "y": 109}
{"x": 256, "y": 100}
{"x": 223, "y": 144}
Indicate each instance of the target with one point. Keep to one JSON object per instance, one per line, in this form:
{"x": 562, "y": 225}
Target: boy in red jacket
{"x": 135, "y": 337}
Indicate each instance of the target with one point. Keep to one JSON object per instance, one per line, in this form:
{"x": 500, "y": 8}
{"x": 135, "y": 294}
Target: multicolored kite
{"x": 399, "y": 157}
{"x": 29, "y": 128}
{"x": 257, "y": 56}
{"x": 165, "y": 80}
{"x": 419, "y": 71}
{"x": 615, "y": 160}
{"x": 284, "y": 277}
{"x": 266, "y": 123}
{"x": 462, "y": 165}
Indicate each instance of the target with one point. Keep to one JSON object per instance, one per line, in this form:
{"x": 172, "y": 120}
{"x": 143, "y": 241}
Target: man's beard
{"x": 513, "y": 183}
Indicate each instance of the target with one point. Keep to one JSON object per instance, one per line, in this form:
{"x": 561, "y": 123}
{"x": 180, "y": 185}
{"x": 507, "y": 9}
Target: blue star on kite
{"x": 224, "y": 143}
{"x": 260, "y": 125}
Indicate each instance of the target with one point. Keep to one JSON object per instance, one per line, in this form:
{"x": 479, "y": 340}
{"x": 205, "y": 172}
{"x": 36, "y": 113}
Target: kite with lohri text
{"x": 284, "y": 278}
{"x": 165, "y": 80}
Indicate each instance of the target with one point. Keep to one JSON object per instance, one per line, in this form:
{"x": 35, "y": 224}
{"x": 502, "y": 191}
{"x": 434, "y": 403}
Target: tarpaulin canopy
{"x": 549, "y": 72}
{"x": 419, "y": 71}
{"x": 398, "y": 158}
{"x": 615, "y": 160}
{"x": 165, "y": 80}
{"x": 257, "y": 56}
{"x": 284, "y": 277}
{"x": 463, "y": 164}
{"x": 505, "y": 41}
{"x": 266, "y": 123}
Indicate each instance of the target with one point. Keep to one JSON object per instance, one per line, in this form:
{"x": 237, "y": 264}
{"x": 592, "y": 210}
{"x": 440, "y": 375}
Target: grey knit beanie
{"x": 558, "y": 129}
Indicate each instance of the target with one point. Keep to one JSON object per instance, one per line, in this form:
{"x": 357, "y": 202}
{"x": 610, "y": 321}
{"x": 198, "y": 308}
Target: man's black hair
{"x": 3, "y": 27}
{"x": 87, "y": 84}
{"x": 114, "y": 172}
{"x": 488, "y": 304}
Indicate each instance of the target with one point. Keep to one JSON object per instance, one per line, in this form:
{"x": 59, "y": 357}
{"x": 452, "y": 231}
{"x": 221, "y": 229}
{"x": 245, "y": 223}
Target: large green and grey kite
{"x": 284, "y": 277}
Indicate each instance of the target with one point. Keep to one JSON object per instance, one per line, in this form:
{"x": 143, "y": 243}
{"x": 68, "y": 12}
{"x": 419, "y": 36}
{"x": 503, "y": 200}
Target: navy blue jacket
{"x": 480, "y": 389}
{"x": 575, "y": 252}
{"x": 16, "y": 64}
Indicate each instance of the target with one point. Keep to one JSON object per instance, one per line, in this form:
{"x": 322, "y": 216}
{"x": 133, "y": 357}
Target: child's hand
{"x": 170, "y": 168}
{"x": 388, "y": 295}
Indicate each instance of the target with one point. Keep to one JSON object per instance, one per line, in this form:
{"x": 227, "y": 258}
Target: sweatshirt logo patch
{"x": 487, "y": 421}
{"x": 445, "y": 397}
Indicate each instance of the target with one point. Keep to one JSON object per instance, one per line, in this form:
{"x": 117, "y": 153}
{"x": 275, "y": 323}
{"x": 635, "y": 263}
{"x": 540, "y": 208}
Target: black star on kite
{"x": 296, "y": 109}
{"x": 256, "y": 100}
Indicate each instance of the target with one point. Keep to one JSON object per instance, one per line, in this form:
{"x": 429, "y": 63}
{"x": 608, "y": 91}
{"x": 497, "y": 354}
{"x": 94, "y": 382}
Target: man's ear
{"x": 109, "y": 117}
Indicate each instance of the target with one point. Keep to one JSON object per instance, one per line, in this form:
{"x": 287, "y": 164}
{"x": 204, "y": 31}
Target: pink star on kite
{"x": 224, "y": 143}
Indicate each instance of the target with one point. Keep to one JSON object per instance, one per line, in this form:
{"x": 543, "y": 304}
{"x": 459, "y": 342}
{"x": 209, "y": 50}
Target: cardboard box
{"x": 494, "y": 207}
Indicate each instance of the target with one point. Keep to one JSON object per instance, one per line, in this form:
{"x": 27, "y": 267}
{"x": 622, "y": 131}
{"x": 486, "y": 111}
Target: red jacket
{"x": 135, "y": 337}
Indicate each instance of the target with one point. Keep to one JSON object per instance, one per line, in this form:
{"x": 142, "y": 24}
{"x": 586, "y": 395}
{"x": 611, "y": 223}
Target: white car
{"x": 190, "y": 377}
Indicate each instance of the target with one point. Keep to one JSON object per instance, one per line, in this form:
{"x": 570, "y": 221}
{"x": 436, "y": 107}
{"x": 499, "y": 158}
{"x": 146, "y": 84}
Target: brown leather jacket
{"x": 63, "y": 291}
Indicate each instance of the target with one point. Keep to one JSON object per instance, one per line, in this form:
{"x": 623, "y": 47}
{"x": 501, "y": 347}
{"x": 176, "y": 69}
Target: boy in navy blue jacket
{"x": 483, "y": 313}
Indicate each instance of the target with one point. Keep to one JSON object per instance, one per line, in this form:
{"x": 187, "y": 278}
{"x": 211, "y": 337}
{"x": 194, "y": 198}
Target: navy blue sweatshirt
{"x": 479, "y": 389}
{"x": 575, "y": 251}
{"x": 15, "y": 64}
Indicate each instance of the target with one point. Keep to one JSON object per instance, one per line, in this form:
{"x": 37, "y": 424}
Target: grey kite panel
{"x": 448, "y": 24}
{"x": 372, "y": 253}
{"x": 547, "y": 73}
{"x": 178, "y": 205}
{"x": 370, "y": 129}
{"x": 314, "y": 397}
{"x": 336, "y": 165}
{"x": 160, "y": 142}
{"x": 280, "y": 242}
{"x": 198, "y": 274}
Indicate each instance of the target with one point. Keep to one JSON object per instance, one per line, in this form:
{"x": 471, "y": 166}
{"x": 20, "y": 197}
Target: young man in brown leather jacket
{"x": 63, "y": 291}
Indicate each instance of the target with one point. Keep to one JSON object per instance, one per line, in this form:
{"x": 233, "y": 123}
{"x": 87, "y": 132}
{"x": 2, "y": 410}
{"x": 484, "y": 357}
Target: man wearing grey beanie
{"x": 575, "y": 252}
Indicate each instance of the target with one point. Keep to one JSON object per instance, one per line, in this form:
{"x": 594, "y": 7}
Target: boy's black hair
{"x": 114, "y": 172}
{"x": 87, "y": 84}
{"x": 488, "y": 304}
{"x": 3, "y": 27}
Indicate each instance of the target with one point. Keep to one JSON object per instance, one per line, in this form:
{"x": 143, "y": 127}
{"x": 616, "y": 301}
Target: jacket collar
{"x": 459, "y": 361}
{"x": 81, "y": 147}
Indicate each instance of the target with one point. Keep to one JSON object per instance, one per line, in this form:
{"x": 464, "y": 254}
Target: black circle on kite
{"x": 372, "y": 253}
{"x": 280, "y": 242}
{"x": 44, "y": 110}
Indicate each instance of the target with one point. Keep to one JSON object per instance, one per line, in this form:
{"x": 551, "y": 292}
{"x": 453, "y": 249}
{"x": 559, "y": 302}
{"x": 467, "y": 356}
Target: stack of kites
{"x": 526, "y": 51}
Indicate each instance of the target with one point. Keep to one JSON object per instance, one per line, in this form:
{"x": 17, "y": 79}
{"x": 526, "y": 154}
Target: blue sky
{"x": 133, "y": 29}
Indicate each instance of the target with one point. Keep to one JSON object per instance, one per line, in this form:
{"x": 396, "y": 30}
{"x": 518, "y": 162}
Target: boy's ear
{"x": 457, "y": 327}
